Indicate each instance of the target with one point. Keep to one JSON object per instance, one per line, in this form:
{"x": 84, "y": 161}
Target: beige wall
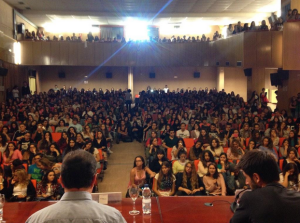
{"x": 48, "y": 78}
{"x": 236, "y": 81}
{"x": 220, "y": 79}
{"x": 295, "y": 4}
{"x": 28, "y": 26}
{"x": 190, "y": 32}
{"x": 6, "y": 19}
{"x": 165, "y": 76}
{"x": 65, "y": 34}
{"x": 261, "y": 79}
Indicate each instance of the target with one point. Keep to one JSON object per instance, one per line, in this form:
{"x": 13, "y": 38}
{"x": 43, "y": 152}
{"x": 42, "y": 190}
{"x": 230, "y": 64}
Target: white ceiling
{"x": 116, "y": 12}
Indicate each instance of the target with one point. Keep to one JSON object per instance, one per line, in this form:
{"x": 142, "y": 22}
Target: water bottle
{"x": 146, "y": 203}
{"x": 1, "y": 212}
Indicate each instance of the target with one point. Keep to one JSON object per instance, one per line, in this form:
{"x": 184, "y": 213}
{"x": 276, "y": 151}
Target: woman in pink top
{"x": 214, "y": 181}
{"x": 138, "y": 173}
{"x": 10, "y": 154}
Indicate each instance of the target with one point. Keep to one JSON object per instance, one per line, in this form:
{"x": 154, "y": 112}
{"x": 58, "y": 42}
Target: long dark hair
{"x": 161, "y": 175}
{"x": 143, "y": 160}
{"x": 6, "y": 152}
{"x": 216, "y": 174}
{"x": 211, "y": 157}
{"x": 160, "y": 151}
{"x": 44, "y": 181}
{"x": 295, "y": 176}
{"x": 4, "y": 139}
{"x": 91, "y": 150}
{"x": 295, "y": 138}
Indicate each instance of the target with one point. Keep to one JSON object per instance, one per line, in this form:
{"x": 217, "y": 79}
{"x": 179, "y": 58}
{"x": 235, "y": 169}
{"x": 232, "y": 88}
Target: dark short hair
{"x": 260, "y": 162}
{"x": 78, "y": 169}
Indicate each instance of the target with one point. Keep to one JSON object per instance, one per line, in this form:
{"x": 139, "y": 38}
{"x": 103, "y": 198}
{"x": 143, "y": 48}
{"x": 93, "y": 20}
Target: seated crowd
{"x": 193, "y": 139}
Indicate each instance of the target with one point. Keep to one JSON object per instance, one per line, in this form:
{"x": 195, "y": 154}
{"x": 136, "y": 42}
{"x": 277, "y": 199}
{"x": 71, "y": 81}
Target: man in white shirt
{"x": 78, "y": 177}
{"x": 182, "y": 132}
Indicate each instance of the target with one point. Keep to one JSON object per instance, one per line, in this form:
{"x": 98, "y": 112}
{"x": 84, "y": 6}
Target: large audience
{"x": 192, "y": 139}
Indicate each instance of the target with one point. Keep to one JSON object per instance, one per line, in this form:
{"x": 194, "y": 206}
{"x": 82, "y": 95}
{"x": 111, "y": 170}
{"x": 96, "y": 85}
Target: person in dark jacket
{"x": 268, "y": 201}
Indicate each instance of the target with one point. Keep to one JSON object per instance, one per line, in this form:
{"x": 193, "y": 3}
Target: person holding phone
{"x": 176, "y": 149}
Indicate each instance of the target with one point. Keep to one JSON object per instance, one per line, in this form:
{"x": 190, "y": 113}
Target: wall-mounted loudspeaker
{"x": 239, "y": 63}
{"x": 283, "y": 74}
{"x": 275, "y": 79}
{"x": 151, "y": 75}
{"x": 248, "y": 72}
{"x": 227, "y": 63}
{"x": 3, "y": 71}
{"x": 61, "y": 74}
{"x": 278, "y": 78}
{"x": 217, "y": 63}
{"x": 32, "y": 73}
{"x": 196, "y": 74}
{"x": 108, "y": 75}
{"x": 21, "y": 28}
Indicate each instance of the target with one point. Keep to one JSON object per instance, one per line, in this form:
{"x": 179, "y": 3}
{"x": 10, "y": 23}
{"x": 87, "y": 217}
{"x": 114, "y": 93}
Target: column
{"x": 130, "y": 80}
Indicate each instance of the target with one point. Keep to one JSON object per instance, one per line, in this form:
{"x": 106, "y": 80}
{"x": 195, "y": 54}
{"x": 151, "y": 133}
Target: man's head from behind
{"x": 260, "y": 168}
{"x": 78, "y": 170}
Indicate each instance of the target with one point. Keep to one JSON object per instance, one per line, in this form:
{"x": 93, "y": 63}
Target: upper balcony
{"x": 248, "y": 50}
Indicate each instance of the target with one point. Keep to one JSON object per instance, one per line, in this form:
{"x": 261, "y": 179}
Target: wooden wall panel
{"x": 86, "y": 54}
{"x": 250, "y": 49}
{"x": 64, "y": 52}
{"x": 45, "y": 53}
{"x": 263, "y": 53}
{"x": 291, "y": 46}
{"x": 277, "y": 38}
{"x": 107, "y": 54}
{"x": 73, "y": 53}
{"x": 239, "y": 52}
{"x": 98, "y": 53}
{"x": 231, "y": 57}
{"x": 37, "y": 53}
{"x": 55, "y": 53}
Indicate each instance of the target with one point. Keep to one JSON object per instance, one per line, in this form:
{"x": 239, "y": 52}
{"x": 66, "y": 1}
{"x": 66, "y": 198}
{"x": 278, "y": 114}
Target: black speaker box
{"x": 108, "y": 75}
{"x": 217, "y": 63}
{"x": 239, "y": 63}
{"x": 32, "y": 73}
{"x": 248, "y": 72}
{"x": 151, "y": 75}
{"x": 283, "y": 74}
{"x": 3, "y": 71}
{"x": 196, "y": 74}
{"x": 227, "y": 63}
{"x": 275, "y": 79}
{"x": 21, "y": 28}
{"x": 61, "y": 75}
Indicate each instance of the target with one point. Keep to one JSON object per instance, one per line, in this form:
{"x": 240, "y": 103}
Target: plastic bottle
{"x": 146, "y": 203}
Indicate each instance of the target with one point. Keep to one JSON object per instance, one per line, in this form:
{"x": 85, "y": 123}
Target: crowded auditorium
{"x": 149, "y": 111}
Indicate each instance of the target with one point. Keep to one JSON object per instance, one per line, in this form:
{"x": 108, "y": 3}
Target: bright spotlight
{"x": 137, "y": 30}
